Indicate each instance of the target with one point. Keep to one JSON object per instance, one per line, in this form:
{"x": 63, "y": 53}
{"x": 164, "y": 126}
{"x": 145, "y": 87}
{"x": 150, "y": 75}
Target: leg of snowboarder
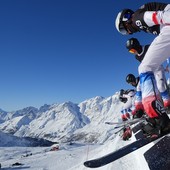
{"x": 139, "y": 51}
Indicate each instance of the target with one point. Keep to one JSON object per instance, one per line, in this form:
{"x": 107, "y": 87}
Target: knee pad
{"x": 154, "y": 108}
{"x": 158, "y": 107}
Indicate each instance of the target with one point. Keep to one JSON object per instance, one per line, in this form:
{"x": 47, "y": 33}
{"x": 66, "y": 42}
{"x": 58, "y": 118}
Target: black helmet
{"x": 121, "y": 18}
{"x": 133, "y": 43}
{"x": 130, "y": 78}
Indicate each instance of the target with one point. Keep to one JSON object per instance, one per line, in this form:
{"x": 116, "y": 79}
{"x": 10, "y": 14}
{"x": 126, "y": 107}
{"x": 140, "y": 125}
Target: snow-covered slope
{"x": 71, "y": 157}
{"x": 3, "y": 114}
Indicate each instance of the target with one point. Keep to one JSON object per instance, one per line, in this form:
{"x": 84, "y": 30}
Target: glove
{"x": 122, "y": 99}
{"x": 139, "y": 110}
{"x": 127, "y": 133}
{"x": 138, "y": 113}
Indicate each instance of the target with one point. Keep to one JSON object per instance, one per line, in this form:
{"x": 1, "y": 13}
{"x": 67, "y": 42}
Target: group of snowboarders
{"x": 151, "y": 96}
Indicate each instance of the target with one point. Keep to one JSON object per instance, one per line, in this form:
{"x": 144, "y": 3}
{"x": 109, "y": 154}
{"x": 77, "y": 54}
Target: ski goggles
{"x": 133, "y": 51}
{"x": 121, "y": 22}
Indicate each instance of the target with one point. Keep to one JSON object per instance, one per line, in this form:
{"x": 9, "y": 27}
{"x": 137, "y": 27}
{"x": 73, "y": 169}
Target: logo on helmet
{"x": 138, "y": 23}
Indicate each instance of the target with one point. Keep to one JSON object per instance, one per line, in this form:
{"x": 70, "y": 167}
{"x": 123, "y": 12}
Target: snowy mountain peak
{"x": 65, "y": 121}
{"x": 44, "y": 108}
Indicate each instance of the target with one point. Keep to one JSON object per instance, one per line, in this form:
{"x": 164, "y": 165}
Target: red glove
{"x": 127, "y": 133}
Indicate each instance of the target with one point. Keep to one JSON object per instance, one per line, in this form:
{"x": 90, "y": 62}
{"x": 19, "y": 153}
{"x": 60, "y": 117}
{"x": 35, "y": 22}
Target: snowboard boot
{"x": 156, "y": 127}
{"x": 138, "y": 114}
{"x": 159, "y": 124}
{"x": 151, "y": 129}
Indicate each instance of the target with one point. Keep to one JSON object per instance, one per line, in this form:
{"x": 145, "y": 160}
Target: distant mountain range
{"x": 64, "y": 122}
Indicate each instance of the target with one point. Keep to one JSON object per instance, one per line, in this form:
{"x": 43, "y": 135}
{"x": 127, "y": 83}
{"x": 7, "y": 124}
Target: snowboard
{"x": 113, "y": 156}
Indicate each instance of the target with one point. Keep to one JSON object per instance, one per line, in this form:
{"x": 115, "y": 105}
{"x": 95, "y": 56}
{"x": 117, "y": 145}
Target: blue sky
{"x": 52, "y": 51}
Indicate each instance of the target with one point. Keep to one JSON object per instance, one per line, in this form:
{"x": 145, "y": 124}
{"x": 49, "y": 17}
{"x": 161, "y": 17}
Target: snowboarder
{"x": 139, "y": 109}
{"x": 152, "y": 18}
{"x": 126, "y": 96}
{"x": 136, "y": 48}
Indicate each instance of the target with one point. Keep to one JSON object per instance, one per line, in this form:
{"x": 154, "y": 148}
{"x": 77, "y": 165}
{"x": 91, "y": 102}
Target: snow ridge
{"x": 65, "y": 122}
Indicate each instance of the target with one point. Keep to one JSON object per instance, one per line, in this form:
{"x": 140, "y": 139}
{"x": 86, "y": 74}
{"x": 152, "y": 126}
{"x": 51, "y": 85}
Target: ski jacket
{"x": 149, "y": 17}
